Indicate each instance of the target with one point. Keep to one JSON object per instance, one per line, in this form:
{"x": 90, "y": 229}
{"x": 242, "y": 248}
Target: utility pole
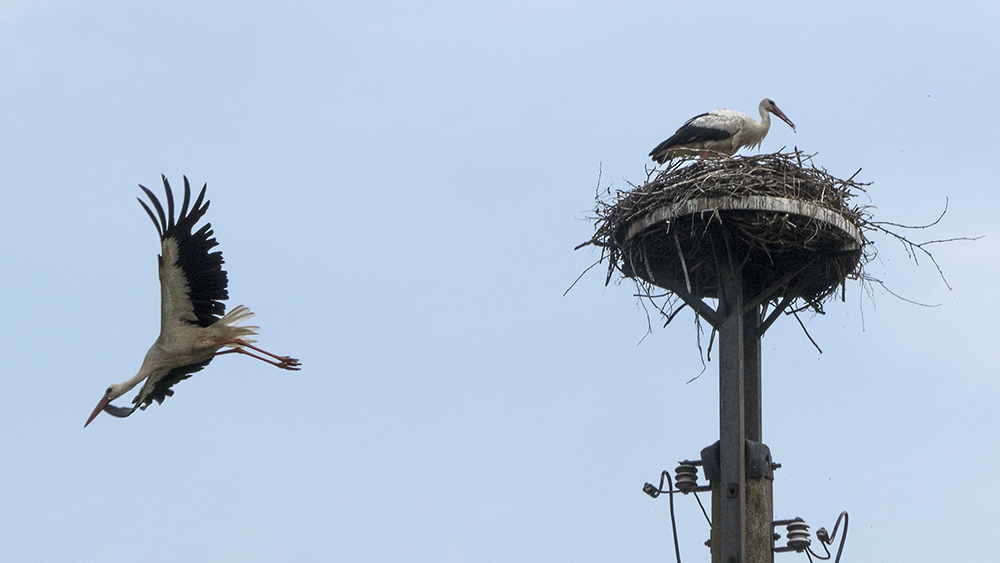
{"x": 743, "y": 504}
{"x": 744, "y": 280}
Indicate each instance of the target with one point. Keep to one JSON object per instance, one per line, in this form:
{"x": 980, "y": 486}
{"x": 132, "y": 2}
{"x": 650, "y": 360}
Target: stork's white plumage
{"x": 721, "y": 132}
{"x": 192, "y": 288}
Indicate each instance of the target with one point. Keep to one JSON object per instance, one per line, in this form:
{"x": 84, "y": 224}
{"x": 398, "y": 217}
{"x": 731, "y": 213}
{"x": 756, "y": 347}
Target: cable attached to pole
{"x": 824, "y": 539}
{"x": 655, "y": 492}
{"x": 673, "y": 521}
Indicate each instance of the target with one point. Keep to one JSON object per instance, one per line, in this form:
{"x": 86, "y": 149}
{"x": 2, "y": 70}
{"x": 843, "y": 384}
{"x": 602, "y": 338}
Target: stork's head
{"x": 113, "y": 392}
{"x": 769, "y": 105}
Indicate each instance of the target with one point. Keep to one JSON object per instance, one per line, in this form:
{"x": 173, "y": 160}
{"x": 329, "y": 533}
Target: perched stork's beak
{"x": 783, "y": 117}
{"x": 100, "y": 406}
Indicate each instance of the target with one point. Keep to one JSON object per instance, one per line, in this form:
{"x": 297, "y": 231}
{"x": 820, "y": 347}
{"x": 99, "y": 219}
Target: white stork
{"x": 721, "y": 132}
{"x": 192, "y": 288}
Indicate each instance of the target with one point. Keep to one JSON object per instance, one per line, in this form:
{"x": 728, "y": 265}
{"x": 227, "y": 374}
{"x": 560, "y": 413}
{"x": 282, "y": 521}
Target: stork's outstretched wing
{"x": 192, "y": 281}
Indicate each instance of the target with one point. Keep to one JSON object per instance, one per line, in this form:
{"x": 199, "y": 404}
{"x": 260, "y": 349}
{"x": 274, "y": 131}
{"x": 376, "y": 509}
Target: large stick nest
{"x": 789, "y": 225}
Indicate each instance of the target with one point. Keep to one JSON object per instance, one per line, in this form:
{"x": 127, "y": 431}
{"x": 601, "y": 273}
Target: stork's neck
{"x": 129, "y": 384}
{"x": 765, "y": 120}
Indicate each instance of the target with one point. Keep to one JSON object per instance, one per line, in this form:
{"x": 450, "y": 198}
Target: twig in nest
{"x": 809, "y": 336}
{"x": 711, "y": 339}
{"x": 680, "y": 254}
{"x": 671, "y": 316}
{"x": 581, "y": 275}
{"x": 898, "y": 296}
{"x": 912, "y": 248}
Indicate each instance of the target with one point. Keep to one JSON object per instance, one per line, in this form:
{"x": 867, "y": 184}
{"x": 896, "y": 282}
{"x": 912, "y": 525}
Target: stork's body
{"x": 192, "y": 288}
{"x": 721, "y": 132}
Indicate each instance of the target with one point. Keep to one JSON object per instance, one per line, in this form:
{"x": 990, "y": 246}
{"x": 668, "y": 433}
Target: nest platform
{"x": 787, "y": 226}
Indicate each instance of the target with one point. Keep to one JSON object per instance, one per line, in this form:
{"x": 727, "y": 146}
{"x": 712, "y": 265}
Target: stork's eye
{"x": 108, "y": 392}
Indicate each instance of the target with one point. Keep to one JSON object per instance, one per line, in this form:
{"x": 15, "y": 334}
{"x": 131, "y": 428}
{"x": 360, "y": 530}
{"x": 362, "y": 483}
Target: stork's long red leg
{"x": 284, "y": 362}
{"x": 287, "y": 363}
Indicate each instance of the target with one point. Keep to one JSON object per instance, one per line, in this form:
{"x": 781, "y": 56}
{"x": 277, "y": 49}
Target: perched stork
{"x": 721, "y": 132}
{"x": 192, "y": 288}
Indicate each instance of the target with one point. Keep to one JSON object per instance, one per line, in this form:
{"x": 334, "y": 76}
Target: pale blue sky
{"x": 397, "y": 190}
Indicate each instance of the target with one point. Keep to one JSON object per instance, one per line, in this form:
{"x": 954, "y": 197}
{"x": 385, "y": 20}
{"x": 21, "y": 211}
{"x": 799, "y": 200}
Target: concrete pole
{"x": 729, "y": 525}
{"x": 760, "y": 491}
{"x": 742, "y": 508}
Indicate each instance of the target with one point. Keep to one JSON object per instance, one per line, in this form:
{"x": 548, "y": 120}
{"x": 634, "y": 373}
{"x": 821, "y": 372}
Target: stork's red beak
{"x": 784, "y": 117}
{"x": 100, "y": 406}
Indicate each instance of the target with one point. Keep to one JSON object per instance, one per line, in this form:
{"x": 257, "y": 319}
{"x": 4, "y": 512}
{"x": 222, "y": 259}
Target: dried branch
{"x": 809, "y": 336}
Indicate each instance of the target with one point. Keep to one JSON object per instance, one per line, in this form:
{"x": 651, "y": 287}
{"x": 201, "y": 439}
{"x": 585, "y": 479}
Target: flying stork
{"x": 720, "y": 132}
{"x": 192, "y": 288}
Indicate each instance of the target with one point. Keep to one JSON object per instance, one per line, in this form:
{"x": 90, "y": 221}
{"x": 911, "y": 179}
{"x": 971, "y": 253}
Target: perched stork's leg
{"x": 284, "y": 362}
